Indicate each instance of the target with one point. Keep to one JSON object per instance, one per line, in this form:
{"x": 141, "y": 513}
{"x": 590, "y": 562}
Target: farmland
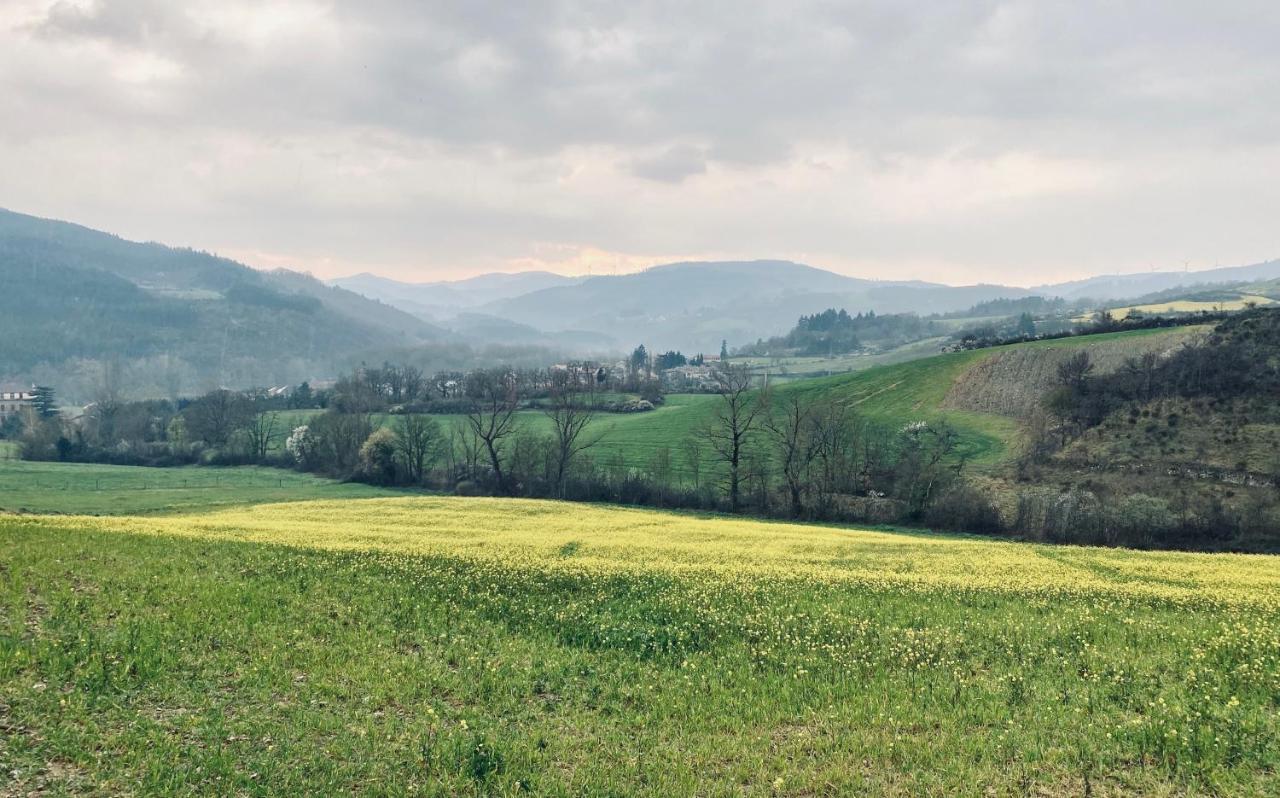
{"x": 86, "y": 488}
{"x": 451, "y": 646}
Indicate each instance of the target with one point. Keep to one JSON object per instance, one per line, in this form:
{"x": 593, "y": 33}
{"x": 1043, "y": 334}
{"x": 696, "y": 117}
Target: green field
{"x": 446, "y": 646}
{"x": 100, "y": 489}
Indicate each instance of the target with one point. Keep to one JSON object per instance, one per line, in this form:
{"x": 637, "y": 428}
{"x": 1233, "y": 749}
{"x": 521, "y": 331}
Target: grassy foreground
{"x": 453, "y": 646}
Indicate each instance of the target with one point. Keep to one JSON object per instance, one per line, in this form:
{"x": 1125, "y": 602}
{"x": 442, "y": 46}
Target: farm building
{"x": 14, "y": 401}
{"x": 690, "y": 378}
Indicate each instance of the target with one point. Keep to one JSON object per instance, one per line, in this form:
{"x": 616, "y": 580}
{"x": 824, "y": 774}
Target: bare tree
{"x": 493, "y": 398}
{"x": 464, "y": 444}
{"x": 218, "y": 415}
{"x": 108, "y": 399}
{"x": 928, "y": 453}
{"x": 418, "y": 444}
{"x": 833, "y": 438}
{"x": 414, "y": 383}
{"x": 263, "y": 431}
{"x": 571, "y": 408}
{"x": 337, "y": 440}
{"x": 733, "y": 424}
{"x": 792, "y": 431}
{"x": 691, "y": 448}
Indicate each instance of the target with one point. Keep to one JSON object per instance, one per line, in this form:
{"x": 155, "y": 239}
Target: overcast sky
{"x": 1013, "y": 142}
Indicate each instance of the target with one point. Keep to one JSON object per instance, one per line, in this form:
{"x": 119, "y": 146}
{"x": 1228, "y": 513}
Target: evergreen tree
{"x": 45, "y": 403}
{"x": 1026, "y": 324}
{"x": 724, "y": 351}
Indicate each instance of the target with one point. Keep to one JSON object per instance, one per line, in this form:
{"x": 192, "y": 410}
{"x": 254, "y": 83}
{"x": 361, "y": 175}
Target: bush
{"x": 378, "y": 457}
{"x": 964, "y": 508}
{"x": 1075, "y": 517}
{"x": 1140, "y": 521}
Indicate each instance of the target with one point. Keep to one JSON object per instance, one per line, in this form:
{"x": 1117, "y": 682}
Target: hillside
{"x": 694, "y": 306}
{"x": 472, "y": 647}
{"x": 72, "y": 299}
{"x": 444, "y": 299}
{"x": 1123, "y": 286}
{"x": 984, "y": 393}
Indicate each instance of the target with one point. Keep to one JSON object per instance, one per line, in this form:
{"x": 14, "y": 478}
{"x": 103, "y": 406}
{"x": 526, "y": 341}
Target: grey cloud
{"x": 671, "y": 166}
{"x": 503, "y": 118}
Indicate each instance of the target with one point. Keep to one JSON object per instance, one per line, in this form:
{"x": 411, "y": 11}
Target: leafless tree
{"x": 493, "y": 398}
{"x": 464, "y": 444}
{"x": 418, "y": 444}
{"x": 571, "y": 408}
{"x": 414, "y": 383}
{"x": 263, "y": 432}
{"x": 733, "y": 424}
{"x": 791, "y": 427}
{"x": 218, "y": 415}
{"x": 691, "y": 448}
{"x": 928, "y": 453}
{"x": 833, "y": 437}
{"x": 338, "y": 438}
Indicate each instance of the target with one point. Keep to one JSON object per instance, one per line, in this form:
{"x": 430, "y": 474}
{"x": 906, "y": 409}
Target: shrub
{"x": 1139, "y": 520}
{"x": 1075, "y": 517}
{"x": 964, "y": 508}
{"x": 378, "y": 457}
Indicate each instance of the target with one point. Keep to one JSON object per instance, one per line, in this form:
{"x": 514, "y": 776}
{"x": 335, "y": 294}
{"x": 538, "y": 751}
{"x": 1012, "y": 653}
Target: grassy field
{"x": 798, "y": 366}
{"x": 1240, "y": 302}
{"x": 99, "y": 489}
{"x": 446, "y": 646}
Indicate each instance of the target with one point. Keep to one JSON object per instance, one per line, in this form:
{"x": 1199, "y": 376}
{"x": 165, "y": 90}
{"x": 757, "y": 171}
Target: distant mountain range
{"x": 73, "y": 300}
{"x": 1126, "y": 286}
{"x": 693, "y": 306}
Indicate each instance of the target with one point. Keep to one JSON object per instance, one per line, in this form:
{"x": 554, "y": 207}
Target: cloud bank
{"x": 1015, "y": 142}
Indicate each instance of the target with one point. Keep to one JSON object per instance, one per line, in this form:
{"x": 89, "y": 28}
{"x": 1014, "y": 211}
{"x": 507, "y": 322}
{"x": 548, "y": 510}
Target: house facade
{"x": 15, "y": 401}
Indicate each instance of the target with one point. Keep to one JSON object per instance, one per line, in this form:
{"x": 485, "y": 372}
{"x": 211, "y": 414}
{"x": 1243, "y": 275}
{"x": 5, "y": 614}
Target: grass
{"x": 444, "y": 646}
{"x": 85, "y": 488}
{"x": 1239, "y": 302}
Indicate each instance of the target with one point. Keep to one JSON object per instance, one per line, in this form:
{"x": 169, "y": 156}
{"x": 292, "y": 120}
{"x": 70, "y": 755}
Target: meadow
{"x": 451, "y": 646}
{"x": 90, "y": 488}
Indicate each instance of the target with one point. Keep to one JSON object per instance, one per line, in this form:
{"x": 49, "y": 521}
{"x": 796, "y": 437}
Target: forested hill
{"x": 73, "y": 300}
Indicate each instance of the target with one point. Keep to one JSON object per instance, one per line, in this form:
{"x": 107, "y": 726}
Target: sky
{"x": 1008, "y": 142}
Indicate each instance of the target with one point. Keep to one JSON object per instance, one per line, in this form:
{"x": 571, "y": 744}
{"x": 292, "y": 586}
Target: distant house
{"x": 14, "y": 401}
{"x": 689, "y": 379}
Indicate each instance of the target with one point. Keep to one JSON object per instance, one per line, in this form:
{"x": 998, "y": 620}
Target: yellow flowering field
{"x": 604, "y": 539}
{"x": 451, "y": 646}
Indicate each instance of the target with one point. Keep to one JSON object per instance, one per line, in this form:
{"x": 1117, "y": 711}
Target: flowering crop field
{"x": 449, "y": 646}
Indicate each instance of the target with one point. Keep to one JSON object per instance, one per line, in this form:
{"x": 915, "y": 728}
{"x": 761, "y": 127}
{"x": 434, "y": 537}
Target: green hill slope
{"x": 72, "y": 298}
{"x": 981, "y": 393}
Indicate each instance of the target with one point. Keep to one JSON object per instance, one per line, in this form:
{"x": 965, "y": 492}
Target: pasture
{"x": 447, "y": 646}
{"x": 92, "y": 489}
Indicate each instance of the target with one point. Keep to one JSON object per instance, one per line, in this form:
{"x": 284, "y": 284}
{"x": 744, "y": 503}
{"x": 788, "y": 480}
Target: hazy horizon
{"x": 1016, "y": 143}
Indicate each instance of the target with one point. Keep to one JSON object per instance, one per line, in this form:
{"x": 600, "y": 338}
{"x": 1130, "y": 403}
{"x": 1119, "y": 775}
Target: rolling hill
{"x": 445, "y": 299}
{"x": 73, "y": 299}
{"x": 1126, "y": 286}
{"x": 693, "y": 306}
